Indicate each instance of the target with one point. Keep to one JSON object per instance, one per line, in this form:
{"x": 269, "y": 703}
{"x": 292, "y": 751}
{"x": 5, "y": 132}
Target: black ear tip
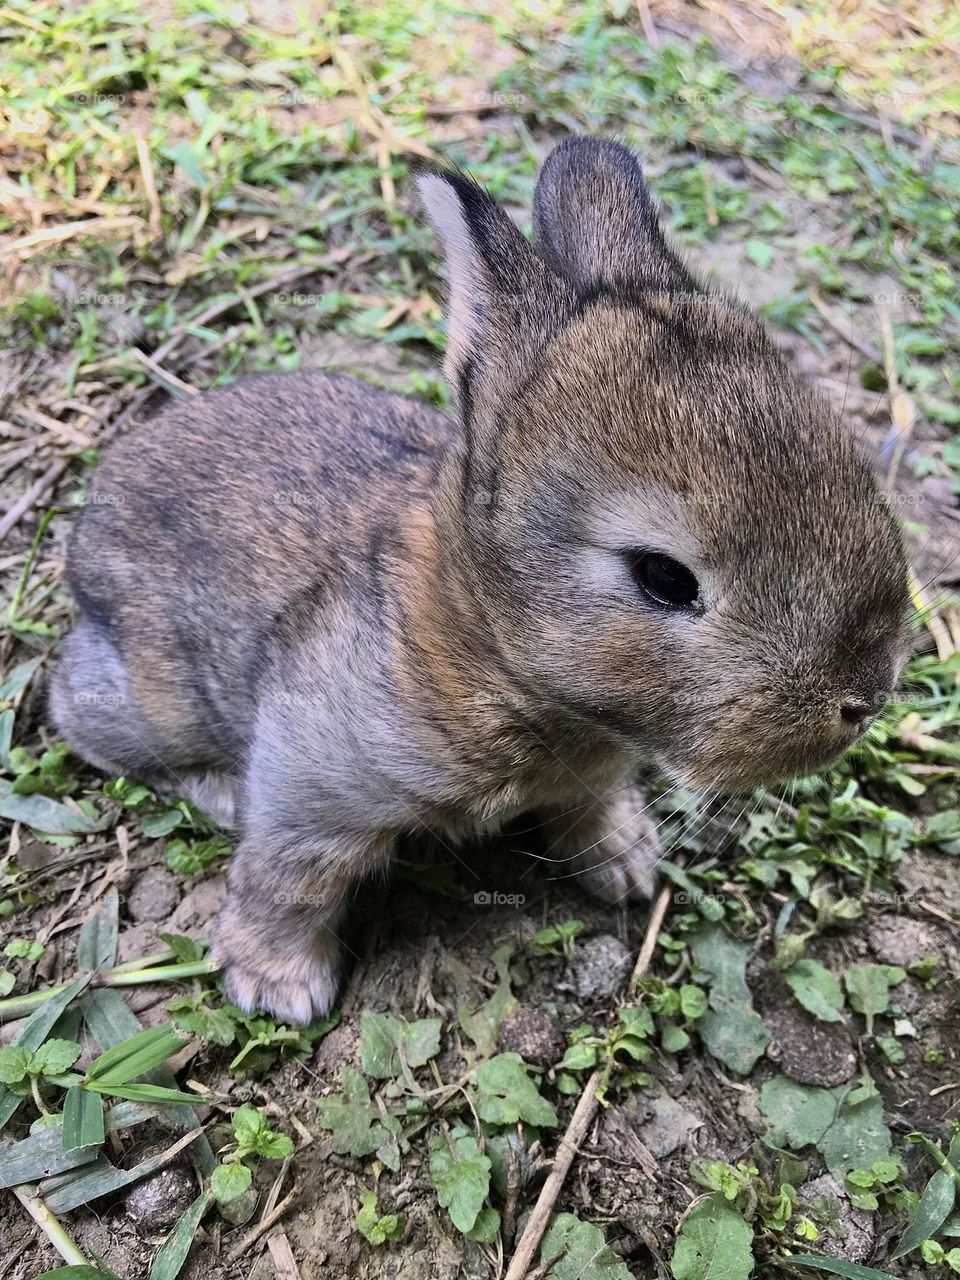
{"x": 591, "y": 154}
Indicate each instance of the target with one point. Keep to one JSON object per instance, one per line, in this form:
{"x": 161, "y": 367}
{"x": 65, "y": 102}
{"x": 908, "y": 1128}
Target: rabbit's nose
{"x": 855, "y": 713}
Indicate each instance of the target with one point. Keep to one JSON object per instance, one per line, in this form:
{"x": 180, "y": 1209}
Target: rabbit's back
{"x": 212, "y": 520}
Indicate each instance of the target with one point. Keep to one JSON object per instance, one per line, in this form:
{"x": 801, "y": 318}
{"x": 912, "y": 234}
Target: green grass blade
{"x": 144, "y": 1092}
{"x": 174, "y": 1250}
{"x": 41, "y": 1155}
{"x": 97, "y": 944}
{"x": 136, "y": 1055}
{"x": 935, "y": 1204}
{"x": 109, "y": 1020}
{"x": 86, "y": 1272}
{"x": 838, "y": 1267}
{"x": 82, "y": 1119}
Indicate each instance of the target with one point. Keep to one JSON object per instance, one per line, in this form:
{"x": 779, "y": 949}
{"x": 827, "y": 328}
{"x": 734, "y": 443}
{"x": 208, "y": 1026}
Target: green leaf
{"x": 132, "y": 1057}
{"x": 230, "y": 1181}
{"x": 674, "y": 1038}
{"x": 174, "y": 1250}
{"x": 253, "y": 1133}
{"x": 14, "y": 1062}
{"x": 553, "y": 939}
{"x": 731, "y": 1029}
{"x": 759, "y": 253}
{"x": 109, "y": 1020}
{"x": 40, "y": 1155}
{"x": 868, "y": 986}
{"x": 693, "y": 1001}
{"x": 369, "y": 1223}
{"x": 33, "y": 1033}
{"x": 187, "y": 950}
{"x": 82, "y": 1119}
{"x": 483, "y": 1024}
{"x": 461, "y": 1177}
{"x": 24, "y": 948}
{"x": 715, "y": 1243}
{"x": 157, "y": 825}
{"x": 506, "y": 1094}
{"x": 49, "y": 817}
{"x": 583, "y": 1252}
{"x": 857, "y": 1138}
{"x": 356, "y": 1123}
{"x": 486, "y": 1228}
{"x": 838, "y": 1267}
{"x": 801, "y": 1114}
{"x": 54, "y": 1057}
{"x": 817, "y": 990}
{"x": 386, "y": 1044}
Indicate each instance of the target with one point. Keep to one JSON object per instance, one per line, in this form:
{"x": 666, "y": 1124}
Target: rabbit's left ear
{"x": 596, "y": 225}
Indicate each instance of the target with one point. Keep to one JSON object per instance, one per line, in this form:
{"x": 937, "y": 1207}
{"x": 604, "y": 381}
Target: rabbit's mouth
{"x": 737, "y": 761}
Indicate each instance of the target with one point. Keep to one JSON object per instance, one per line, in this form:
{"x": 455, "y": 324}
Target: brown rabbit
{"x": 343, "y": 616}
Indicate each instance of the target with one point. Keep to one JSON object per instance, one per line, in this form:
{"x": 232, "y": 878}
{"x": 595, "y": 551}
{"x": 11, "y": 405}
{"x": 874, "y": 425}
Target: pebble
{"x": 809, "y": 1051}
{"x": 531, "y": 1034}
{"x": 857, "y": 1244}
{"x": 599, "y": 966}
{"x": 154, "y": 896}
{"x": 155, "y": 1203}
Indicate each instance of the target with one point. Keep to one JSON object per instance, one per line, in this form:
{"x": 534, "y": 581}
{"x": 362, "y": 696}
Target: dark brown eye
{"x": 664, "y": 580}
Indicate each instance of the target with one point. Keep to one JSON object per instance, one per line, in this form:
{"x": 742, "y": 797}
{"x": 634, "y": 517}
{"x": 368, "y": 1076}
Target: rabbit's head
{"x": 668, "y": 533}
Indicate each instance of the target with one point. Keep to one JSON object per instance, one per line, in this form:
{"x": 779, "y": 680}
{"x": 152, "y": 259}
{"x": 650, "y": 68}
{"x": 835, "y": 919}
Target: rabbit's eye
{"x": 664, "y": 580}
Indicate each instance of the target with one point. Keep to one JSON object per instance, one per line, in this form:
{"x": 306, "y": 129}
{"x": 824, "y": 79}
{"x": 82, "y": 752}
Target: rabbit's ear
{"x": 499, "y": 288}
{"x": 595, "y": 224}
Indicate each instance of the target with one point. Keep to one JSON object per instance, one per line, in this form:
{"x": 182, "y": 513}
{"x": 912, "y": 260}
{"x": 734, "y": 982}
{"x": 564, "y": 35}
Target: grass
{"x": 214, "y": 193}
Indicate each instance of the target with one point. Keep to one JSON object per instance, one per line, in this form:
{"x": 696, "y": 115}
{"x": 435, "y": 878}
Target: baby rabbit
{"x": 341, "y": 616}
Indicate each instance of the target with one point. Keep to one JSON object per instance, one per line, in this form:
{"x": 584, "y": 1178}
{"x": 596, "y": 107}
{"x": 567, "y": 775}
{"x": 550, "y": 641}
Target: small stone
{"x": 154, "y": 896}
{"x": 854, "y": 1227}
{"x": 668, "y": 1128}
{"x": 600, "y": 965}
{"x": 531, "y": 1034}
{"x": 807, "y": 1050}
{"x": 905, "y": 941}
{"x": 156, "y": 1202}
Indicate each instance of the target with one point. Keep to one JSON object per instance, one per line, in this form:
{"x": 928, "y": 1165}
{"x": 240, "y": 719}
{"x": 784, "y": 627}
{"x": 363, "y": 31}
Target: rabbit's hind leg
{"x": 95, "y": 709}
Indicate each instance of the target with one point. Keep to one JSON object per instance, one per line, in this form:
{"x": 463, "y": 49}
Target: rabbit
{"x": 335, "y": 616}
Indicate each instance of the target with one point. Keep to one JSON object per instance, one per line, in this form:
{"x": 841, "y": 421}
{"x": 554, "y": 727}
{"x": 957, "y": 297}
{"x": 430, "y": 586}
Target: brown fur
{"x": 358, "y": 618}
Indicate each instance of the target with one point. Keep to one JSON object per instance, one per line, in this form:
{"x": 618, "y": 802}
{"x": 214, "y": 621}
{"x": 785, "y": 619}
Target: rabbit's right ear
{"x": 503, "y": 300}
{"x": 596, "y": 225}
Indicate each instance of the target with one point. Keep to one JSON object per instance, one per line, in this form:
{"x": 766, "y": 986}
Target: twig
{"x": 581, "y": 1120}
{"x": 50, "y": 1226}
{"x": 657, "y": 912}
{"x": 870, "y": 352}
{"x": 32, "y": 495}
{"x": 263, "y": 1225}
{"x": 649, "y": 30}
{"x": 145, "y": 160}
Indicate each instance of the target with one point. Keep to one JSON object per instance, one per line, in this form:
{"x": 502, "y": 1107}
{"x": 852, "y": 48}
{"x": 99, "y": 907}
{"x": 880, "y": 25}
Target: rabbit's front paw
{"x": 264, "y": 971}
{"x": 614, "y": 848}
